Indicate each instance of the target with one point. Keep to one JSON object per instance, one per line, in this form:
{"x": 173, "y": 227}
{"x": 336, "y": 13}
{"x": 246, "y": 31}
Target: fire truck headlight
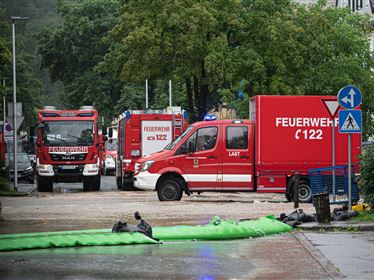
{"x": 45, "y": 169}
{"x": 43, "y": 166}
{"x": 90, "y": 169}
{"x": 146, "y": 165}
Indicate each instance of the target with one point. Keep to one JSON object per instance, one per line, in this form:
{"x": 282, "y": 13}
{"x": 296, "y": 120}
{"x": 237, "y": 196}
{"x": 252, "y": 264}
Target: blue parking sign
{"x": 350, "y": 121}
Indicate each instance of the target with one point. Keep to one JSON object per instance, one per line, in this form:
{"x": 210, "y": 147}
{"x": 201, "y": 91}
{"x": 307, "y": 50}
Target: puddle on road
{"x": 28, "y": 226}
{"x": 258, "y": 258}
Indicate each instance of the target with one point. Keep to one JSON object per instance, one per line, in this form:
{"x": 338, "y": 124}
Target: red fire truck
{"x": 68, "y": 148}
{"x": 141, "y": 133}
{"x": 286, "y": 135}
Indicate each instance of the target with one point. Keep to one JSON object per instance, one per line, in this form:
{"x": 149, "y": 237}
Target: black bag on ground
{"x": 296, "y": 218}
{"x": 142, "y": 227}
{"x": 343, "y": 213}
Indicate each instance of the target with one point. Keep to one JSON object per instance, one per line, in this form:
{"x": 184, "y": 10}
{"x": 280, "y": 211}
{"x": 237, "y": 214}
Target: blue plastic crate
{"x": 321, "y": 181}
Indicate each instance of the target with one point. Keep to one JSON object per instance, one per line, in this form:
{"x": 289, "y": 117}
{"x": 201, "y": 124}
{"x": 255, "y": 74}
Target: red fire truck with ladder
{"x": 286, "y": 135}
{"x": 68, "y": 147}
{"x": 141, "y": 133}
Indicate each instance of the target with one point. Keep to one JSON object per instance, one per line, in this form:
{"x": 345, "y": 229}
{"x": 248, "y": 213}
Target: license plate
{"x": 68, "y": 166}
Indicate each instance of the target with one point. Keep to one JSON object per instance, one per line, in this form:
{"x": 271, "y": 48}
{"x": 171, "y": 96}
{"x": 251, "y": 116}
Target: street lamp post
{"x": 15, "y": 172}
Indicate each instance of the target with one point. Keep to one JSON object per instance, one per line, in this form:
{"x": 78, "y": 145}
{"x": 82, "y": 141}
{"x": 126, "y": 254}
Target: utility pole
{"x": 15, "y": 172}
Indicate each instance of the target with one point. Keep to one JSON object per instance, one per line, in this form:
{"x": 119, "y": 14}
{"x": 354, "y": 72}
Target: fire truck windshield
{"x": 177, "y": 140}
{"x": 68, "y": 133}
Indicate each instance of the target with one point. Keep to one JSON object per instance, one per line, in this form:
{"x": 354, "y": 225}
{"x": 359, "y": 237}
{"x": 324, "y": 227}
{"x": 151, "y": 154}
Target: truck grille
{"x": 75, "y": 157}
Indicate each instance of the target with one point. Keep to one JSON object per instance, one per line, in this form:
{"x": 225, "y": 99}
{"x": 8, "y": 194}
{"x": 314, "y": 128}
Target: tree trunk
{"x": 203, "y": 94}
{"x": 197, "y": 95}
{"x": 190, "y": 99}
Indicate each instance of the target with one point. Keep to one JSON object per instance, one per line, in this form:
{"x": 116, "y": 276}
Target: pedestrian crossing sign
{"x": 350, "y": 121}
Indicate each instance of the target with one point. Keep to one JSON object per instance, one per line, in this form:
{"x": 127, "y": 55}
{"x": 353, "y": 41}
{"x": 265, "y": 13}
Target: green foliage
{"x": 103, "y": 51}
{"x": 28, "y": 87}
{"x": 367, "y": 174}
{"x": 277, "y": 47}
{"x": 71, "y": 51}
{"x": 367, "y": 215}
{"x": 132, "y": 98}
{"x": 5, "y": 51}
{"x": 293, "y": 49}
{"x": 185, "y": 41}
{"x": 41, "y": 13}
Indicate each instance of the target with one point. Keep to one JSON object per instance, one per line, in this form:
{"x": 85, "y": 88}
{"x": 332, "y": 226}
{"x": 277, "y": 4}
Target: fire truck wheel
{"x": 169, "y": 190}
{"x": 44, "y": 184}
{"x": 305, "y": 192}
{"x": 91, "y": 183}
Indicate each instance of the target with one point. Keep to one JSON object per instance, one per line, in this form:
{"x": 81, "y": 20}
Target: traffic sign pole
{"x": 333, "y": 159}
{"x": 350, "y": 121}
{"x": 349, "y": 172}
{"x": 332, "y": 107}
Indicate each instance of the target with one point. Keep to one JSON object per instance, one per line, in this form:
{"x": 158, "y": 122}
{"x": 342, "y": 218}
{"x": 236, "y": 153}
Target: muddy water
{"x": 69, "y": 208}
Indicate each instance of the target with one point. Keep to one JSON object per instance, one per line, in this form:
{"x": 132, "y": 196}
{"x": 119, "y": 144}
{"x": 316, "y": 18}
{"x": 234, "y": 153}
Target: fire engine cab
{"x": 68, "y": 148}
{"x": 140, "y": 133}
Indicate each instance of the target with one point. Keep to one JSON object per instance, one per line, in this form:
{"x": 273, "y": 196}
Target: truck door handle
{"x": 212, "y": 157}
{"x": 244, "y": 156}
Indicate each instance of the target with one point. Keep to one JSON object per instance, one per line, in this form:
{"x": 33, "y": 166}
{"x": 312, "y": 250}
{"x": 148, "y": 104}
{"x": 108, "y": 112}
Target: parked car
{"x": 24, "y": 167}
{"x": 110, "y": 156}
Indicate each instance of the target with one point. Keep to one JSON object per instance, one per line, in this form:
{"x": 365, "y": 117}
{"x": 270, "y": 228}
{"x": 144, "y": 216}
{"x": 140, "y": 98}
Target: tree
{"x": 28, "y": 87}
{"x": 271, "y": 47}
{"x": 71, "y": 51}
{"x": 41, "y": 13}
{"x": 186, "y": 41}
{"x": 367, "y": 174}
{"x": 307, "y": 50}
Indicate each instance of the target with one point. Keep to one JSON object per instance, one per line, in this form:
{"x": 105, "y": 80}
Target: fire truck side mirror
{"x": 110, "y": 132}
{"x": 104, "y": 130}
{"x": 105, "y": 138}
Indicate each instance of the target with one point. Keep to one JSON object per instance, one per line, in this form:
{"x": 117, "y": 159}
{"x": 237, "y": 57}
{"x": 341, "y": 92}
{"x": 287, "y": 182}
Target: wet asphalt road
{"x": 287, "y": 256}
{"x": 276, "y": 257}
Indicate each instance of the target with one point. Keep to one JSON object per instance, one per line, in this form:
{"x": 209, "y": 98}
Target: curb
{"x": 325, "y": 263}
{"x": 337, "y": 226}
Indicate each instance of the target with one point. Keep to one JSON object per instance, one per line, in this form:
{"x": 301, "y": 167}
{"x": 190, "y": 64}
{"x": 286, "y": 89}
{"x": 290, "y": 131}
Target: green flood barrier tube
{"x": 216, "y": 229}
